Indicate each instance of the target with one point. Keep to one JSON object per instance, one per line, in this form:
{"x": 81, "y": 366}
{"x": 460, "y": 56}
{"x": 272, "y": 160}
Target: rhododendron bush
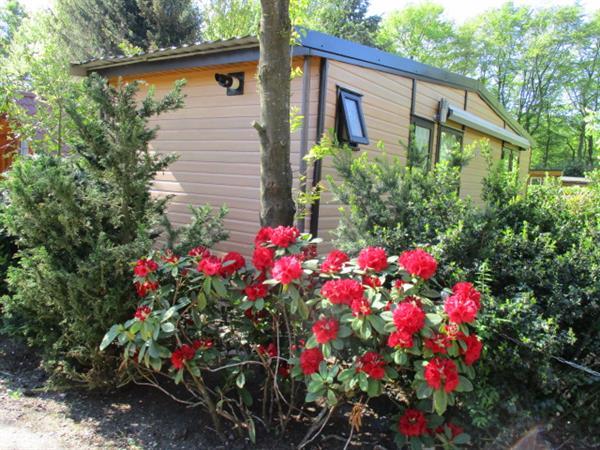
{"x": 303, "y": 330}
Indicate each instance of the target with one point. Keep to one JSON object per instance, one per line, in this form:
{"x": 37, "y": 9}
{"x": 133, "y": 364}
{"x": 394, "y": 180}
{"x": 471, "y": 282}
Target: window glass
{"x": 353, "y": 117}
{"x": 420, "y": 145}
{"x": 450, "y": 142}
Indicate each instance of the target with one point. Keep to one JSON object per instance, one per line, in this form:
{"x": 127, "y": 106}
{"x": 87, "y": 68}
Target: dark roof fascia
{"x": 342, "y": 50}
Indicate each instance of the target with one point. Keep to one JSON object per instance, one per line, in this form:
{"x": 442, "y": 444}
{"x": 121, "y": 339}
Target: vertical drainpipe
{"x": 305, "y": 111}
{"x": 314, "y": 210}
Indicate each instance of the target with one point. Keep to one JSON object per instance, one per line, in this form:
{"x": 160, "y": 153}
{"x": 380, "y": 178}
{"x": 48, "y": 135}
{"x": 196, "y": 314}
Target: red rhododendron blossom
{"x": 453, "y": 332}
{"x": 442, "y": 374}
{"x": 142, "y": 312}
{"x": 334, "y": 262}
{"x": 310, "y": 360}
{"x": 309, "y": 252}
{"x": 374, "y": 258}
{"x": 373, "y": 364}
{"x": 460, "y": 309}
{"x": 284, "y": 236}
{"x": 373, "y": 282}
{"x": 342, "y": 292}
{"x": 267, "y": 350}
{"x": 263, "y": 236}
{"x": 210, "y": 266}
{"x": 232, "y": 262}
{"x": 262, "y": 258}
{"x": 181, "y": 355}
{"x": 284, "y": 369}
{"x": 400, "y": 339}
{"x": 202, "y": 344}
{"x": 467, "y": 291}
{"x": 473, "y": 351}
{"x": 145, "y": 288}
{"x": 418, "y": 263}
{"x": 361, "y": 307}
{"x": 325, "y": 330}
{"x": 287, "y": 269}
{"x": 455, "y": 430}
{"x": 438, "y": 344}
{"x": 170, "y": 258}
{"x": 409, "y": 317}
{"x": 144, "y": 267}
{"x": 199, "y": 252}
{"x": 256, "y": 291}
{"x": 412, "y": 423}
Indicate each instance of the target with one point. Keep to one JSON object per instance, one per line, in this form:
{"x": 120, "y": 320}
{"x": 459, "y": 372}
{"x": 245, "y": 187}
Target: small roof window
{"x": 351, "y": 121}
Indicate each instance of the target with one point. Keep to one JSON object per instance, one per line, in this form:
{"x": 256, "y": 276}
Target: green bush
{"x": 77, "y": 219}
{"x": 536, "y": 256}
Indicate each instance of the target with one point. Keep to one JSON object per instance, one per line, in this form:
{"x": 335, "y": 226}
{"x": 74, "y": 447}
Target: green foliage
{"x": 11, "y": 17}
{"x": 135, "y": 24}
{"x": 205, "y": 229}
{"x": 226, "y": 19}
{"x": 77, "y": 218}
{"x": 536, "y": 257}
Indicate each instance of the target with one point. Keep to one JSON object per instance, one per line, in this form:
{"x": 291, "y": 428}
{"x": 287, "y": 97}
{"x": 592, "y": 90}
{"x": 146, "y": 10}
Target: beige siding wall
{"x": 218, "y": 148}
{"x": 386, "y": 106}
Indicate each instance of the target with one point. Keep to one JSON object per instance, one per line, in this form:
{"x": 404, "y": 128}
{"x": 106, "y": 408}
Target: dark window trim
{"x": 451, "y": 130}
{"x": 512, "y": 152}
{"x": 423, "y": 123}
{"x": 342, "y": 114}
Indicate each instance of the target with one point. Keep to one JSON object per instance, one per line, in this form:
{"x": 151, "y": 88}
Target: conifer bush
{"x": 78, "y": 218}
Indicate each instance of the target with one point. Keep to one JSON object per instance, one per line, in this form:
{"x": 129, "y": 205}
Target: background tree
{"x": 125, "y": 25}
{"x": 11, "y": 17}
{"x": 274, "y": 71}
{"x": 225, "y": 19}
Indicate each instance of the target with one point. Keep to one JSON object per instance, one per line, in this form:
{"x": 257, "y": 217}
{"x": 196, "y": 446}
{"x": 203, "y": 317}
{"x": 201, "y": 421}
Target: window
{"x": 510, "y": 158}
{"x": 351, "y": 125}
{"x": 449, "y": 144}
{"x": 420, "y": 144}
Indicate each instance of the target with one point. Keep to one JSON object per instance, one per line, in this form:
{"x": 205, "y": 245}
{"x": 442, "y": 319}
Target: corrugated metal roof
{"x": 197, "y": 48}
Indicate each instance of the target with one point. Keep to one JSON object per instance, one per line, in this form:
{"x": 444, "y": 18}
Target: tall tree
{"x": 11, "y": 17}
{"x": 419, "y": 32}
{"x": 274, "y": 71}
{"x": 98, "y": 28}
{"x": 225, "y": 19}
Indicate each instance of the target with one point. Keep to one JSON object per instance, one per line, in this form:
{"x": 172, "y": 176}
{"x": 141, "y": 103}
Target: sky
{"x": 457, "y": 10}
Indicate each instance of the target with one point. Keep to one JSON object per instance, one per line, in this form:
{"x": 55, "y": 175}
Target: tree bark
{"x": 274, "y": 71}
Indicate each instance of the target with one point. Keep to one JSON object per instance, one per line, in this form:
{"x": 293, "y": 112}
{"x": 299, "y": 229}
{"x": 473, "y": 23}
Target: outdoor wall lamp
{"x": 233, "y": 82}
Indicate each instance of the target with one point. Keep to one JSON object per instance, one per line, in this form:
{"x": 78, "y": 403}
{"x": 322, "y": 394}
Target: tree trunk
{"x": 274, "y": 71}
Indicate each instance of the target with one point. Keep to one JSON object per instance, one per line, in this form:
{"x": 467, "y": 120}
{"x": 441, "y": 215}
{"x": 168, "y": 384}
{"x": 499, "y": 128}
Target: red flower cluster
{"x": 438, "y": 344}
{"x": 373, "y": 364}
{"x": 232, "y": 262}
{"x": 455, "y": 430}
{"x": 144, "y": 267}
{"x": 184, "y": 353}
{"x": 400, "y": 339}
{"x": 464, "y": 303}
{"x": 287, "y": 269}
{"x": 473, "y": 351}
{"x": 325, "y": 330}
{"x": 418, "y": 263}
{"x": 268, "y": 350}
{"x": 256, "y": 291}
{"x": 310, "y": 360}
{"x": 334, "y": 262}
{"x": 373, "y": 282}
{"x": 146, "y": 287}
{"x": 308, "y": 252}
{"x": 342, "y": 292}
{"x": 199, "y": 252}
{"x": 284, "y": 236}
{"x": 408, "y": 316}
{"x": 442, "y": 374}
{"x": 202, "y": 344}
{"x": 262, "y": 258}
{"x": 374, "y": 258}
{"x": 263, "y": 236}
{"x": 361, "y": 307}
{"x": 142, "y": 312}
{"x": 412, "y": 423}
{"x": 210, "y": 266}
